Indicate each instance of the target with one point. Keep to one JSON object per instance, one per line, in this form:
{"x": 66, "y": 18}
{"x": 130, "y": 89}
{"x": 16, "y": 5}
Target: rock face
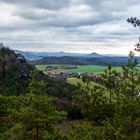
{"x": 7, "y": 59}
{"x": 14, "y": 72}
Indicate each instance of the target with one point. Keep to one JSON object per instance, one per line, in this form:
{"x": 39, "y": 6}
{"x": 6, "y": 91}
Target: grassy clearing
{"x": 89, "y": 69}
{"x": 40, "y": 67}
{"x": 81, "y": 69}
{"x": 74, "y": 81}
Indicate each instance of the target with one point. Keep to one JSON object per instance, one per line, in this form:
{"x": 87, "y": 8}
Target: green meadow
{"x": 74, "y": 81}
{"x": 80, "y": 68}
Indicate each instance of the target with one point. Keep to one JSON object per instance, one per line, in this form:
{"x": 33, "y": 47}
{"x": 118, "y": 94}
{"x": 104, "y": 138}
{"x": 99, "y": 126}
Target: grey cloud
{"x": 62, "y": 19}
{"x": 65, "y": 24}
{"x": 111, "y": 4}
{"x": 66, "y": 21}
{"x": 59, "y": 18}
{"x": 42, "y": 4}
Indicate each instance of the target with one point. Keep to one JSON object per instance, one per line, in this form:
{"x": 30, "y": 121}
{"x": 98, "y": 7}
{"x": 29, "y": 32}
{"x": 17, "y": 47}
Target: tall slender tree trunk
{"x": 37, "y": 125}
{"x": 37, "y": 132}
{"x": 132, "y": 87}
{"x": 110, "y": 98}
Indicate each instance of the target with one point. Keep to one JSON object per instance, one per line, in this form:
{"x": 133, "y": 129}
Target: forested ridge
{"x": 102, "y": 61}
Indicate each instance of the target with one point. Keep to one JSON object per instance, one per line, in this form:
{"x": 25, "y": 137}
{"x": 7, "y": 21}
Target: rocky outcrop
{"x": 14, "y": 72}
{"x": 7, "y": 59}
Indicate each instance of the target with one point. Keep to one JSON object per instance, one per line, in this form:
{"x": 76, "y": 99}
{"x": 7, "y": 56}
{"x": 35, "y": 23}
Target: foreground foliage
{"x": 109, "y": 110}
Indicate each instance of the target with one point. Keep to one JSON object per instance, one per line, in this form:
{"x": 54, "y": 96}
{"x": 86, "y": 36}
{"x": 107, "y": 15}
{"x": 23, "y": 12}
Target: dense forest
{"x": 34, "y": 106}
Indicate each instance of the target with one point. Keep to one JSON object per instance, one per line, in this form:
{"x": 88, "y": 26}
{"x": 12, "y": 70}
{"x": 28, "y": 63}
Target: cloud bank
{"x": 81, "y": 26}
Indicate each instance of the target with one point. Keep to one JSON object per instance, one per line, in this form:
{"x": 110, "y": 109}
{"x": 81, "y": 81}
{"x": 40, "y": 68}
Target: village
{"x": 66, "y": 75}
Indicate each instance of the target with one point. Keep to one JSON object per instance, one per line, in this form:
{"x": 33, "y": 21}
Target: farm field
{"x": 80, "y": 69}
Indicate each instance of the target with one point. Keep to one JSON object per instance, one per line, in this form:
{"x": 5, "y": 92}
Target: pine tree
{"x": 37, "y": 118}
{"x": 109, "y": 81}
{"x": 130, "y": 76}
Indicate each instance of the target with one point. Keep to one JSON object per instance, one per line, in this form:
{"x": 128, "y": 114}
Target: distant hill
{"x": 103, "y": 61}
{"x": 74, "y": 58}
{"x": 60, "y": 60}
{"x": 39, "y": 55}
{"x": 94, "y": 55}
{"x": 111, "y": 60}
{"x": 29, "y": 55}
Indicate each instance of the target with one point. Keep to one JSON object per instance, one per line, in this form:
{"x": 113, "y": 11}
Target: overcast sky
{"x": 81, "y": 26}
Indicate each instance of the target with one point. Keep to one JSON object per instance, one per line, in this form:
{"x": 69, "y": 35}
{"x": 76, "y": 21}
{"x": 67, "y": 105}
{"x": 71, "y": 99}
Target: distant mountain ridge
{"x": 95, "y": 55}
{"x": 60, "y": 60}
{"x": 39, "y": 55}
{"x": 104, "y": 61}
{"x": 74, "y": 58}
